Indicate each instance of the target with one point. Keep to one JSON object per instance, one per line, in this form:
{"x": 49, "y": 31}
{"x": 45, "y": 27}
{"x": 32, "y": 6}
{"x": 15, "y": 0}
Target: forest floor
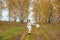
{"x": 18, "y": 31}
{"x": 45, "y": 32}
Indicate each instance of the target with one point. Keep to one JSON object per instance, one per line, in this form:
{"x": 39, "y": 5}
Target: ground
{"x": 18, "y": 31}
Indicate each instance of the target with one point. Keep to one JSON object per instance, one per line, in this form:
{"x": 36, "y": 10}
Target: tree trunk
{"x": 21, "y": 16}
{"x": 50, "y": 14}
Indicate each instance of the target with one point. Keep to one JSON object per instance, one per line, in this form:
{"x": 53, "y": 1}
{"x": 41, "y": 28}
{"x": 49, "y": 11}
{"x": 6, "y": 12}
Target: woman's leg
{"x": 29, "y": 31}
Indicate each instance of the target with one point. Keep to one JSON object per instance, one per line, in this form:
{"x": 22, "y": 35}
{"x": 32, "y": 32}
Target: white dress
{"x": 29, "y": 27}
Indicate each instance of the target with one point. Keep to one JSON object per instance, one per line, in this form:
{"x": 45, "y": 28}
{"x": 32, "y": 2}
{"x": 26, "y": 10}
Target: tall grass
{"x": 10, "y": 30}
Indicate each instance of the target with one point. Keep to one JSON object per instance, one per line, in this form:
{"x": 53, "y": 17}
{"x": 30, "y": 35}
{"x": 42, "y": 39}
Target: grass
{"x": 50, "y": 31}
{"x": 30, "y": 37}
{"x": 10, "y": 30}
{"x": 47, "y": 32}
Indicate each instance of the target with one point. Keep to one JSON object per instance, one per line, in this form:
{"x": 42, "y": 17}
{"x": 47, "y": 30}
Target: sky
{"x": 4, "y": 15}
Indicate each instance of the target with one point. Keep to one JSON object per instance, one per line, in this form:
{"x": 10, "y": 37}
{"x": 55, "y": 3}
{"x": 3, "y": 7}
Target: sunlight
{"x": 31, "y": 13}
{"x": 4, "y": 15}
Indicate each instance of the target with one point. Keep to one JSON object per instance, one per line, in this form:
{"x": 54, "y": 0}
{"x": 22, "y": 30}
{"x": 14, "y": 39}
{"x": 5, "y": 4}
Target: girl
{"x": 29, "y": 26}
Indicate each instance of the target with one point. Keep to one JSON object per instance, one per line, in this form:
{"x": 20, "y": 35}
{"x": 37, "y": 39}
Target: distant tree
{"x": 50, "y": 15}
{"x": 50, "y": 12}
{"x": 0, "y": 10}
{"x": 37, "y": 10}
{"x": 20, "y": 7}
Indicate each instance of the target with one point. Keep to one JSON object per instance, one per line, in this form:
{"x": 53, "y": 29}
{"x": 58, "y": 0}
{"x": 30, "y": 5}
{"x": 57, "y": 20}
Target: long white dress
{"x": 29, "y": 27}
